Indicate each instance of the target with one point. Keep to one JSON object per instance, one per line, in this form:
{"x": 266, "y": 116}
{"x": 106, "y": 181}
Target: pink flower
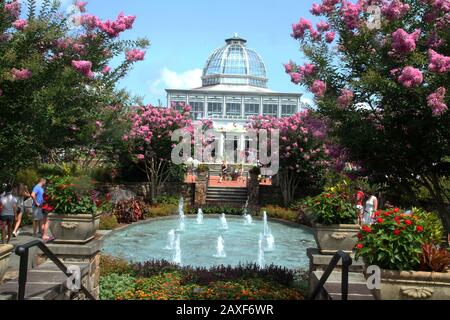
{"x": 296, "y": 77}
{"x": 438, "y": 62}
{"x": 289, "y": 67}
{"x": 106, "y": 69}
{"x": 20, "y": 24}
{"x": 346, "y": 98}
{"x": 114, "y": 28}
{"x": 140, "y": 157}
{"x": 135, "y": 55}
{"x": 395, "y": 9}
{"x": 436, "y": 101}
{"x": 308, "y": 69}
{"x": 300, "y": 28}
{"x": 83, "y": 67}
{"x": 410, "y": 77}
{"x": 81, "y": 6}
{"x": 21, "y": 74}
{"x": 350, "y": 14}
{"x": 13, "y": 8}
{"x": 318, "y": 88}
{"x": 403, "y": 42}
{"x": 323, "y": 26}
{"x": 316, "y": 9}
{"x": 330, "y": 36}
{"x": 90, "y": 21}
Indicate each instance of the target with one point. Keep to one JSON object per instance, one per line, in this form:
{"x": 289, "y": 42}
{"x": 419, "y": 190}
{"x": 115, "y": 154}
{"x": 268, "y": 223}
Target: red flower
{"x": 396, "y": 210}
{"x": 360, "y": 246}
{"x": 366, "y": 229}
{"x": 397, "y": 232}
{"x": 377, "y": 214}
{"x": 387, "y": 214}
{"x": 380, "y": 220}
{"x": 360, "y": 236}
{"x": 408, "y": 222}
{"x": 419, "y": 229}
{"x": 397, "y": 219}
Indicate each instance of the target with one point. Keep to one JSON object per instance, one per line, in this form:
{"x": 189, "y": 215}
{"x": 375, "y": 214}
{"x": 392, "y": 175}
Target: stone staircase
{"x": 226, "y": 195}
{"x": 357, "y": 286}
{"x": 45, "y": 282}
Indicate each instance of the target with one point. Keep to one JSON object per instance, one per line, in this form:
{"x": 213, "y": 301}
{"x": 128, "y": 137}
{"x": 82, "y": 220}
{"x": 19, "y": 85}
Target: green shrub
{"x": 114, "y": 285}
{"x": 394, "y": 242}
{"x": 432, "y": 225}
{"x": 278, "y": 212}
{"x": 28, "y": 177}
{"x": 161, "y": 210}
{"x": 112, "y": 265}
{"x": 108, "y": 222}
{"x": 333, "y": 206}
{"x": 167, "y": 200}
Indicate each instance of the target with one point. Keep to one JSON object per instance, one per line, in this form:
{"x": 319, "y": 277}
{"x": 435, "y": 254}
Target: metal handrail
{"x": 346, "y": 263}
{"x": 23, "y": 252}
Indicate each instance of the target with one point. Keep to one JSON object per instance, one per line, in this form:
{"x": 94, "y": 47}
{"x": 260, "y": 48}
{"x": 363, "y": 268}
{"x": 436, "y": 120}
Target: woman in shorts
{"x": 8, "y": 214}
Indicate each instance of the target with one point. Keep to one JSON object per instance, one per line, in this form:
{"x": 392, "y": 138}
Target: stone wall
{"x": 142, "y": 189}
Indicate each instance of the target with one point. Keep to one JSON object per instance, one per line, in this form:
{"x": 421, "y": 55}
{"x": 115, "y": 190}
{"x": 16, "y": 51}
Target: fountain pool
{"x": 198, "y": 243}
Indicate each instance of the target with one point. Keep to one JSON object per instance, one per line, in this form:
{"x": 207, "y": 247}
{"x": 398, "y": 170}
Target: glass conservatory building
{"x": 234, "y": 88}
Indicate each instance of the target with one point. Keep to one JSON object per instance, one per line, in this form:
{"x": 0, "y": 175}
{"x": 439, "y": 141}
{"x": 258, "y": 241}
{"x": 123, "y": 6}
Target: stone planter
{"x": 413, "y": 285}
{"x": 5, "y": 253}
{"x": 332, "y": 238}
{"x": 74, "y": 229}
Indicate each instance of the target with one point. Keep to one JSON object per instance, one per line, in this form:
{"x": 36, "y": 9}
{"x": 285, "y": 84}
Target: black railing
{"x": 346, "y": 263}
{"x": 23, "y": 252}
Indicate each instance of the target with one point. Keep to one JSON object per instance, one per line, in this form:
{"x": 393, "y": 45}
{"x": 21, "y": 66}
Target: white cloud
{"x": 173, "y": 80}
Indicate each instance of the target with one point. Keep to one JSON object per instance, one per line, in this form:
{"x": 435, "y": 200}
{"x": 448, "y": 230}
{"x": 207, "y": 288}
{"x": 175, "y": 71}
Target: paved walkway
{"x": 25, "y": 236}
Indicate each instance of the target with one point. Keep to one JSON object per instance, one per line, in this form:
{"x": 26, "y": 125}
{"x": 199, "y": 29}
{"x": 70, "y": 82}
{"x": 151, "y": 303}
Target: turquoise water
{"x": 147, "y": 241}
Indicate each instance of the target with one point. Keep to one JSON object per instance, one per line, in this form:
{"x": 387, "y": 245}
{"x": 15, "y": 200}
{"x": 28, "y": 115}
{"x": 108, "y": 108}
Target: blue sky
{"x": 184, "y": 33}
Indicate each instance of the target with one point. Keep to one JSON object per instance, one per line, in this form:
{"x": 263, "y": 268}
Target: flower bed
{"x": 161, "y": 280}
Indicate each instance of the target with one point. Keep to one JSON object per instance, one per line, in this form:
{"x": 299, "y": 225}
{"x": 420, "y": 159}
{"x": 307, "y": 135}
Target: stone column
{"x": 253, "y": 190}
{"x": 201, "y": 186}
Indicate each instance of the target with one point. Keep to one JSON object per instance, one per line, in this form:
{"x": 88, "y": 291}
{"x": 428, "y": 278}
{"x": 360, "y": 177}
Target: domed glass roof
{"x": 235, "y": 64}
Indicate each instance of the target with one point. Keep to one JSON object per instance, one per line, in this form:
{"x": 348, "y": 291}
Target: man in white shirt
{"x": 8, "y": 213}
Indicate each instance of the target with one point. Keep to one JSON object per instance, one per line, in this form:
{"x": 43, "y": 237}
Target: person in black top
{"x": 224, "y": 171}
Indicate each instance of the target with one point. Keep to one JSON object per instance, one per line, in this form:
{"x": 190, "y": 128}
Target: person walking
{"x": 359, "y": 204}
{"x": 21, "y": 193}
{"x": 370, "y": 209}
{"x": 224, "y": 171}
{"x": 38, "y": 201}
{"x": 8, "y": 213}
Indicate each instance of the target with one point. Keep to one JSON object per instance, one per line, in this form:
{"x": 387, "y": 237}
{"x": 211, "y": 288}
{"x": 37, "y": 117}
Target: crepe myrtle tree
{"x": 150, "y": 140}
{"x": 383, "y": 82}
{"x": 56, "y": 81}
{"x": 305, "y": 152}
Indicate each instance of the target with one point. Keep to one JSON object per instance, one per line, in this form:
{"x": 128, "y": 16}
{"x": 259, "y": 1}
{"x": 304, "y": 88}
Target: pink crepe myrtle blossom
{"x": 316, "y": 9}
{"x": 410, "y": 77}
{"x": 83, "y": 67}
{"x": 90, "y": 21}
{"x": 438, "y": 62}
{"x": 436, "y": 101}
{"x": 318, "y": 88}
{"x": 21, "y": 74}
{"x": 20, "y": 24}
{"x": 308, "y": 69}
{"x": 81, "y": 6}
{"x": 296, "y": 77}
{"x": 299, "y": 29}
{"x": 346, "y": 98}
{"x": 323, "y": 26}
{"x": 13, "y": 8}
{"x": 140, "y": 157}
{"x": 350, "y": 14}
{"x": 114, "y": 28}
{"x": 106, "y": 69}
{"x": 395, "y": 9}
{"x": 135, "y": 55}
{"x": 289, "y": 67}
{"x": 329, "y": 37}
{"x": 403, "y": 42}
{"x": 440, "y": 5}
